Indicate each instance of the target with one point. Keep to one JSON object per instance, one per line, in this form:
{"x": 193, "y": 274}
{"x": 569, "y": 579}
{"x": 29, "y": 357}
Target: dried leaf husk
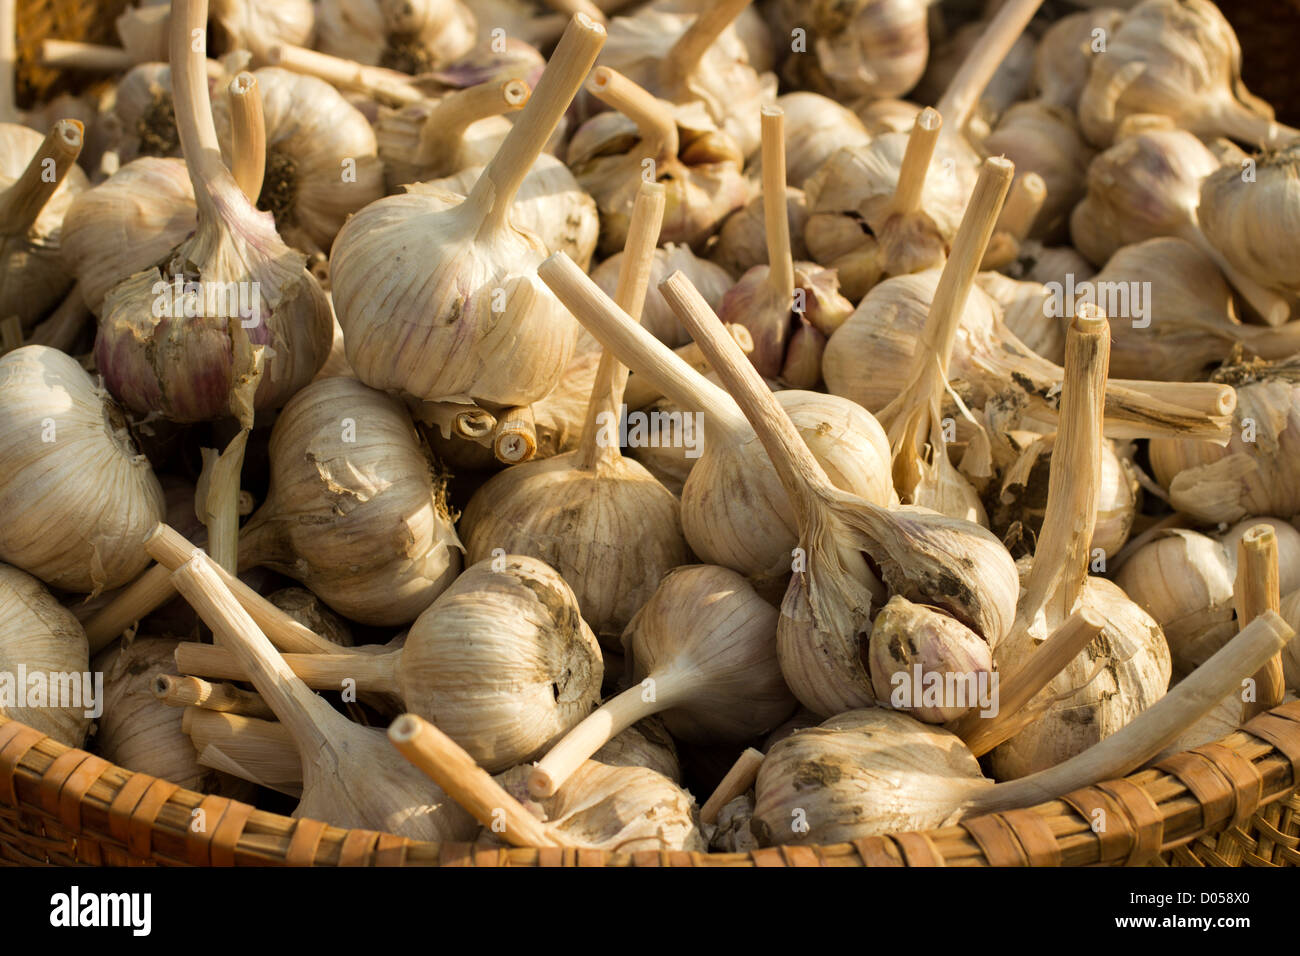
{"x": 416, "y": 36}
{"x": 1063, "y": 59}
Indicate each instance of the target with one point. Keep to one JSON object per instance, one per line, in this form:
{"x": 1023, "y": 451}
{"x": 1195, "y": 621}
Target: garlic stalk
{"x": 926, "y": 557}
{"x": 81, "y": 499}
{"x": 431, "y": 139}
{"x": 139, "y": 732}
{"x": 39, "y": 179}
{"x": 619, "y": 530}
{"x": 1178, "y": 58}
{"x": 1127, "y": 668}
{"x": 41, "y": 637}
{"x": 923, "y": 473}
{"x": 321, "y": 160}
{"x": 866, "y": 361}
{"x": 789, "y": 308}
{"x": 742, "y": 240}
{"x": 249, "y": 748}
{"x": 502, "y": 660}
{"x": 350, "y": 776}
{"x": 258, "y": 322}
{"x": 377, "y": 83}
{"x": 1008, "y": 84}
{"x": 412, "y": 37}
{"x": 467, "y": 290}
{"x": 179, "y": 692}
{"x": 1257, "y": 591}
{"x": 816, "y": 126}
{"x": 713, "y": 282}
{"x": 702, "y": 653}
{"x": 897, "y": 774}
{"x": 734, "y": 511}
{"x": 679, "y": 147}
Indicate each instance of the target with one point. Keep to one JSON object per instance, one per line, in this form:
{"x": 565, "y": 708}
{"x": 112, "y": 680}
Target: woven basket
{"x": 1233, "y": 803}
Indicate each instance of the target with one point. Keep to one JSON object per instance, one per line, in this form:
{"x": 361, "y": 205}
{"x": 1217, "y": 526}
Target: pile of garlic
{"x": 683, "y": 425}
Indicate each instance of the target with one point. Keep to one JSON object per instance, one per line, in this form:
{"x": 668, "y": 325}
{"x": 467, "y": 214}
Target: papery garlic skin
{"x": 646, "y": 743}
{"x": 322, "y": 162}
{"x": 1063, "y": 59}
{"x": 503, "y": 661}
{"x": 33, "y": 278}
{"x": 42, "y": 636}
{"x": 658, "y": 319}
{"x": 127, "y": 223}
{"x": 413, "y": 36}
{"x": 253, "y": 25}
{"x": 1025, "y": 310}
{"x": 81, "y": 500}
{"x": 353, "y": 511}
{"x": 862, "y": 773}
{"x": 140, "y": 732}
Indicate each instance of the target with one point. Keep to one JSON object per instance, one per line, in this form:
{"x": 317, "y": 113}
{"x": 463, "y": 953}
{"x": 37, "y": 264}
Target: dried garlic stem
{"x": 73, "y": 55}
{"x": 375, "y": 672}
{"x": 912, "y": 420}
{"x": 23, "y": 201}
{"x": 451, "y": 768}
{"x": 1152, "y": 730}
{"x": 150, "y": 591}
{"x": 466, "y": 421}
{"x": 247, "y": 134}
{"x": 739, "y": 778}
{"x": 193, "y": 692}
{"x": 1044, "y": 662}
{"x": 500, "y": 181}
{"x": 216, "y": 500}
{"x": 958, "y": 102}
{"x": 776, "y": 215}
{"x": 654, "y": 361}
{"x": 390, "y": 86}
{"x": 629, "y": 294}
{"x": 1024, "y": 202}
{"x": 654, "y": 121}
{"x": 1241, "y": 123}
{"x": 451, "y": 116}
{"x": 246, "y": 747}
{"x": 1256, "y": 590}
{"x": 640, "y": 393}
{"x": 514, "y": 440}
{"x": 685, "y": 54}
{"x": 8, "y": 60}
{"x": 915, "y": 166}
{"x": 193, "y": 106}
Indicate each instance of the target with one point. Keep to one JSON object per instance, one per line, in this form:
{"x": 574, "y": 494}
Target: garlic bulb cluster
{"x": 863, "y": 50}
{"x": 466, "y": 291}
{"x": 41, "y": 639}
{"x": 416, "y": 36}
{"x": 321, "y": 160}
{"x": 39, "y": 179}
{"x": 1184, "y": 580}
{"x": 81, "y": 499}
{"x": 139, "y": 732}
{"x": 656, "y": 317}
{"x": 1177, "y": 58}
{"x": 355, "y": 510}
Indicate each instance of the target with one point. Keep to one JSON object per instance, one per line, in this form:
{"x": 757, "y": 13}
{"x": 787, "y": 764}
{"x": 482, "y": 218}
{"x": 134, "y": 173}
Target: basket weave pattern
{"x": 1232, "y": 803}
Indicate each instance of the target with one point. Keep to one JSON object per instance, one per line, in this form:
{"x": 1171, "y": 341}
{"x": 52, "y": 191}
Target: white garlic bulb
{"x": 252, "y": 25}
{"x": 81, "y": 499}
{"x": 41, "y": 636}
{"x": 815, "y": 127}
{"x": 413, "y": 36}
{"x": 656, "y": 317}
{"x": 1063, "y": 59}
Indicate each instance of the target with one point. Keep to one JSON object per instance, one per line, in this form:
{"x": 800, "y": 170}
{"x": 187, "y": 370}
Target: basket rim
{"x": 1200, "y": 792}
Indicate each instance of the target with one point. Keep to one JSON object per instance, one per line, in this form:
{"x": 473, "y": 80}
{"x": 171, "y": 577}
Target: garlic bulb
{"x": 815, "y": 127}
{"x": 41, "y": 638}
{"x": 659, "y": 320}
{"x": 321, "y": 160}
{"x": 415, "y": 36}
{"x": 1178, "y": 58}
{"x": 1044, "y": 139}
{"x": 790, "y": 308}
{"x": 502, "y": 661}
{"x": 250, "y": 25}
{"x": 141, "y": 114}
{"x": 1126, "y": 668}
{"x": 1250, "y": 223}
{"x": 466, "y": 292}
{"x": 81, "y": 500}
{"x": 1027, "y": 312}
{"x": 1009, "y": 83}
{"x": 1041, "y": 263}
{"x": 436, "y": 138}
{"x": 734, "y": 512}
{"x": 910, "y": 643}
{"x": 1148, "y": 185}
{"x": 1255, "y": 473}
{"x": 887, "y": 116}
{"x": 926, "y": 557}
{"x": 750, "y": 25}
{"x": 1184, "y": 580}
{"x": 646, "y": 743}
{"x": 39, "y": 179}
{"x": 126, "y": 224}
{"x": 685, "y": 59}
{"x": 701, "y": 652}
{"x": 619, "y": 530}
{"x": 308, "y": 610}
{"x": 699, "y": 167}
{"x": 139, "y": 732}
{"x": 233, "y": 266}
{"x": 867, "y": 360}
{"x": 354, "y": 509}
{"x": 862, "y": 50}
{"x": 350, "y": 776}
{"x": 742, "y": 240}
{"x": 1063, "y": 59}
